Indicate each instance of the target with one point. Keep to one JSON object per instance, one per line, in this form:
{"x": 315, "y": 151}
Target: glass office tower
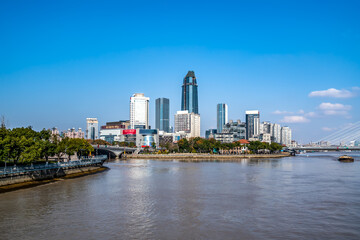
{"x": 162, "y": 114}
{"x": 252, "y": 124}
{"x": 222, "y": 116}
{"x": 189, "y": 96}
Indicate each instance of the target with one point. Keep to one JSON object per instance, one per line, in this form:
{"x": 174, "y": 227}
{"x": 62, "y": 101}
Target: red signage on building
{"x": 129, "y": 131}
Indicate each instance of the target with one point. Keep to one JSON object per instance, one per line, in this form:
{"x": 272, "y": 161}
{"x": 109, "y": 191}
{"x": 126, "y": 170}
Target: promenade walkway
{"x": 21, "y": 170}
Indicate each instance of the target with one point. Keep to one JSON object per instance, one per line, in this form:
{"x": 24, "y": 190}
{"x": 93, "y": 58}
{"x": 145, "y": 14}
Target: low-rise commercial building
{"x": 231, "y": 132}
{"x": 147, "y": 138}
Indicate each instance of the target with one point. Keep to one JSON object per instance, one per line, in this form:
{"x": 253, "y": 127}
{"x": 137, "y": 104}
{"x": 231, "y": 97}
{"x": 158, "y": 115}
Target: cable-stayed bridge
{"x": 337, "y": 141}
{"x": 344, "y": 135}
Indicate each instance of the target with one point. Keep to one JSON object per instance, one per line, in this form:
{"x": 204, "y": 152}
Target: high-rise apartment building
{"x": 265, "y": 127}
{"x": 286, "y": 136}
{"x": 252, "y": 124}
{"x": 275, "y": 133}
{"x": 162, "y": 114}
{"x": 92, "y": 128}
{"x": 189, "y": 95}
{"x": 222, "y": 116}
{"x": 139, "y": 111}
{"x": 188, "y": 123}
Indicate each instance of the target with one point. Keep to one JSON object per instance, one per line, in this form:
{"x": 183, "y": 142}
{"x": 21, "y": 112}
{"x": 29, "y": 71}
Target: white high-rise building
{"x": 139, "y": 111}
{"x": 188, "y": 123}
{"x": 276, "y": 132}
{"x": 265, "y": 127}
{"x": 92, "y": 128}
{"x": 286, "y": 136}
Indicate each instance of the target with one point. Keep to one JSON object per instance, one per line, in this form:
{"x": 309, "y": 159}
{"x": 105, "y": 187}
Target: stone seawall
{"x": 204, "y": 156}
{"x": 45, "y": 176}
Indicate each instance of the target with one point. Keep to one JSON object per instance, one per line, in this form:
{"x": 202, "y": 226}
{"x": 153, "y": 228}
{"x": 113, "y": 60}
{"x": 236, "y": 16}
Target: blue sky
{"x": 63, "y": 61}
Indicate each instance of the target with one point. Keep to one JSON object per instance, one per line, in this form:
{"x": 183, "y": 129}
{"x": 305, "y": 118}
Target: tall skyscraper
{"x": 222, "y": 116}
{"x": 189, "y": 96}
{"x": 188, "y": 123}
{"x": 162, "y": 114}
{"x": 139, "y": 111}
{"x": 92, "y": 128}
{"x": 252, "y": 124}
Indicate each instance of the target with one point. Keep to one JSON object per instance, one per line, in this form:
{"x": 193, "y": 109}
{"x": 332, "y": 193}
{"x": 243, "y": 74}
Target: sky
{"x": 297, "y": 62}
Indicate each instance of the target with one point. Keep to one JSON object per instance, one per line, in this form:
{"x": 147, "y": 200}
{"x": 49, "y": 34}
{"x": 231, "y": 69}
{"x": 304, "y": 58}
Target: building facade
{"x": 286, "y": 136}
{"x": 92, "y": 128}
{"x": 232, "y": 131}
{"x": 265, "y": 127}
{"x": 55, "y": 131}
{"x": 162, "y": 114}
{"x": 72, "y": 133}
{"x": 275, "y": 133}
{"x": 189, "y": 94}
{"x": 139, "y": 111}
{"x": 188, "y": 123}
{"x": 147, "y": 138}
{"x": 124, "y": 124}
{"x": 222, "y": 116}
{"x": 112, "y": 131}
{"x": 252, "y": 124}
{"x": 265, "y": 137}
{"x": 210, "y": 133}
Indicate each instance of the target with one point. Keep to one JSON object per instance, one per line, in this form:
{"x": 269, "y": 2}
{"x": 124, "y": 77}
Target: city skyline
{"x": 309, "y": 83}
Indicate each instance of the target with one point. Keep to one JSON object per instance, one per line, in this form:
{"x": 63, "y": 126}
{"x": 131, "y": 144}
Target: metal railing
{"x": 84, "y": 161}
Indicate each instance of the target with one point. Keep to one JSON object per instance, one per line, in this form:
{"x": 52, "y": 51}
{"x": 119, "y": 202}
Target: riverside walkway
{"x": 23, "y": 170}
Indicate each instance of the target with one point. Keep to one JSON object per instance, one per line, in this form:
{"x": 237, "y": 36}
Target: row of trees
{"x": 24, "y": 145}
{"x": 201, "y": 145}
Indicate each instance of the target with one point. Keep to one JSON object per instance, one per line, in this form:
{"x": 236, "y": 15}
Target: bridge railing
{"x": 84, "y": 161}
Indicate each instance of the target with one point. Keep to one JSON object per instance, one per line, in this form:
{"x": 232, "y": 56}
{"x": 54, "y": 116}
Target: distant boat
{"x": 346, "y": 158}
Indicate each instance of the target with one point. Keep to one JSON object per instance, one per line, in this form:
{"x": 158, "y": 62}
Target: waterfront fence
{"x": 84, "y": 161}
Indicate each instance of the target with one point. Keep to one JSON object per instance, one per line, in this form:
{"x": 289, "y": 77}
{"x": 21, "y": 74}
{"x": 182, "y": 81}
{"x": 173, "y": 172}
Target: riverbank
{"x": 204, "y": 156}
{"x": 16, "y": 183}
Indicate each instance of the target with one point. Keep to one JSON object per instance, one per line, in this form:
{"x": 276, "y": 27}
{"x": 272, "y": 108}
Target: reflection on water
{"x": 311, "y": 196}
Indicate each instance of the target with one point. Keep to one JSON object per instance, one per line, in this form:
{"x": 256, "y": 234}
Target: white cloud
{"x": 301, "y": 111}
{"x": 310, "y": 114}
{"x": 278, "y": 112}
{"x": 334, "y": 108}
{"x": 332, "y": 92}
{"x": 295, "y": 119}
{"x": 327, "y": 129}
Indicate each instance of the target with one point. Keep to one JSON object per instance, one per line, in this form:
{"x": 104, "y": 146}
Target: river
{"x": 311, "y": 196}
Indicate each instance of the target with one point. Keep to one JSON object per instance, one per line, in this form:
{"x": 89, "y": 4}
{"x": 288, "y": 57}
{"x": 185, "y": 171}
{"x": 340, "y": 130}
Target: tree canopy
{"x": 202, "y": 145}
{"x": 24, "y": 145}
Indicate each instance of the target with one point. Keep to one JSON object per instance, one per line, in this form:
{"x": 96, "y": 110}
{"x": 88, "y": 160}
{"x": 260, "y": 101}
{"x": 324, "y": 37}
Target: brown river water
{"x": 310, "y": 196}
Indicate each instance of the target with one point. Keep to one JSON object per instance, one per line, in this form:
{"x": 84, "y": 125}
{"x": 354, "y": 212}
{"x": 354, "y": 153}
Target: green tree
{"x": 184, "y": 145}
{"x": 48, "y": 145}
